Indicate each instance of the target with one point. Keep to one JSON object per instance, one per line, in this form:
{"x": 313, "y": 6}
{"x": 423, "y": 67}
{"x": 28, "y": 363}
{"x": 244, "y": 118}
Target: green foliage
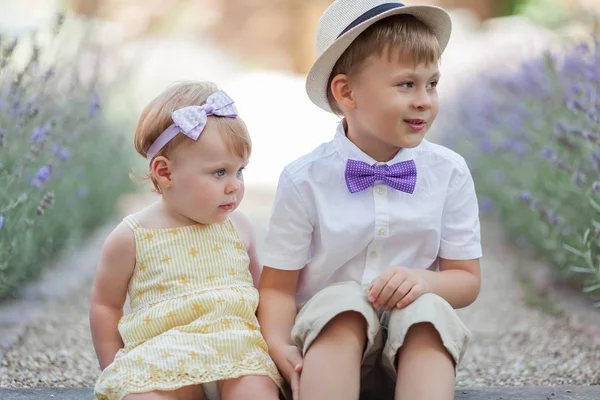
{"x": 62, "y": 164}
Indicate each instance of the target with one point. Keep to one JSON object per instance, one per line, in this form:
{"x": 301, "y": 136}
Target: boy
{"x": 374, "y": 237}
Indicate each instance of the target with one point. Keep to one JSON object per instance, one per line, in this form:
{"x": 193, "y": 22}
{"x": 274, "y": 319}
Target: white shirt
{"x": 333, "y": 236}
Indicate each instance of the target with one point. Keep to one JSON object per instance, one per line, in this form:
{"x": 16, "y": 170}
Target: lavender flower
{"x": 1, "y": 221}
{"x": 578, "y": 178}
{"x": 486, "y": 205}
{"x": 42, "y": 176}
{"x": 487, "y": 146}
{"x": 551, "y": 218}
{"x": 39, "y": 134}
{"x": 61, "y": 152}
{"x": 549, "y": 154}
{"x": 525, "y": 197}
{"x": 1, "y": 137}
{"x": 94, "y": 104}
{"x": 596, "y": 186}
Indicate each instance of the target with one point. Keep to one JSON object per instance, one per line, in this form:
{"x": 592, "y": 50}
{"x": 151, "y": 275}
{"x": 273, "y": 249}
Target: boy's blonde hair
{"x": 156, "y": 117}
{"x": 403, "y": 35}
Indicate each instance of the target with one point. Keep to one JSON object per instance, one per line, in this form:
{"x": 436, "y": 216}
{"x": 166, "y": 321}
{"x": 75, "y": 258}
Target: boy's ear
{"x": 340, "y": 88}
{"x": 161, "y": 170}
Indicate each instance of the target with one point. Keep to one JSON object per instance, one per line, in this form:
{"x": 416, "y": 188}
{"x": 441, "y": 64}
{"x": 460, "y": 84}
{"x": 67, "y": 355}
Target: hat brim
{"x": 435, "y": 18}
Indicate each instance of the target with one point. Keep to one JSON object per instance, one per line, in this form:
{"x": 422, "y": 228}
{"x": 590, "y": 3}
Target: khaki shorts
{"x": 385, "y": 331}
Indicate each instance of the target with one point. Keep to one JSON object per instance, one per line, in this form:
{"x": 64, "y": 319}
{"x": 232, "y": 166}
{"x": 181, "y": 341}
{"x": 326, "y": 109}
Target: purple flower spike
{"x": 61, "y": 152}
{"x": 94, "y": 104}
{"x": 486, "y": 205}
{"x": 42, "y": 176}
{"x": 525, "y": 196}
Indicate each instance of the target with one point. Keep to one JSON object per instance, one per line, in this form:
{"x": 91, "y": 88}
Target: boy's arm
{"x": 277, "y": 313}
{"x": 459, "y": 277}
{"x": 457, "y": 282}
{"x": 117, "y": 261}
{"x": 285, "y": 253}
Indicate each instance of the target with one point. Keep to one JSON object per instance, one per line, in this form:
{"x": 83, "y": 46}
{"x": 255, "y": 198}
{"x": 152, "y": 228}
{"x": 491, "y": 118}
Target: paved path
{"x": 557, "y": 393}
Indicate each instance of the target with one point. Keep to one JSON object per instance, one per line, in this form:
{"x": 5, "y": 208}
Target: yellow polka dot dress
{"x": 193, "y": 313}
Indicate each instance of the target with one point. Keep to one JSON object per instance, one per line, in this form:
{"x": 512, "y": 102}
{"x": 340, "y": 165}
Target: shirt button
{"x": 380, "y": 190}
{"x": 381, "y": 231}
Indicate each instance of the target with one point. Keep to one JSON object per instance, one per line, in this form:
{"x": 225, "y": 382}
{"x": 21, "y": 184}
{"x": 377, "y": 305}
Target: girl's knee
{"x": 193, "y": 392}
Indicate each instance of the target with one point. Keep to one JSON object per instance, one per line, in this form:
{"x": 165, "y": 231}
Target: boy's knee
{"x": 344, "y": 328}
{"x": 423, "y": 332}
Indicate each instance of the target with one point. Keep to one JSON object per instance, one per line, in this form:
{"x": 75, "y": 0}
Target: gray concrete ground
{"x": 558, "y": 393}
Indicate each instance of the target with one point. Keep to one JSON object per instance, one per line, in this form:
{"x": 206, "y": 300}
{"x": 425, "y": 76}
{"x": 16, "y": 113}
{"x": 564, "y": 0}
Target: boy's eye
{"x": 405, "y": 84}
{"x": 241, "y": 170}
{"x": 432, "y": 85}
{"x": 219, "y": 172}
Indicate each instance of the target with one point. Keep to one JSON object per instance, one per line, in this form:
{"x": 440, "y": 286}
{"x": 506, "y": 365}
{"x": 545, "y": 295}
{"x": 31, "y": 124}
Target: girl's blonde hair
{"x": 156, "y": 117}
{"x": 399, "y": 35}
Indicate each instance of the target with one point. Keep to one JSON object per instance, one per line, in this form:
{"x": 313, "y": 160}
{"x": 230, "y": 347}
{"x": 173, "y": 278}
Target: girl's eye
{"x": 432, "y": 85}
{"x": 219, "y": 173}
{"x": 241, "y": 171}
{"x": 406, "y": 85}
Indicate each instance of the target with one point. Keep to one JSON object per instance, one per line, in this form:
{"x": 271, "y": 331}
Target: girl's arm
{"x": 243, "y": 225}
{"x": 117, "y": 261}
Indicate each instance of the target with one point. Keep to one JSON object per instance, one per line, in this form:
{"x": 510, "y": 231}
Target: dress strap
{"x": 132, "y": 222}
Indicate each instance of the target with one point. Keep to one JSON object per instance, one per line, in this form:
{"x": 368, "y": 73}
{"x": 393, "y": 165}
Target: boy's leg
{"x": 334, "y": 330}
{"x": 421, "y": 358}
{"x": 336, "y": 354}
{"x": 426, "y": 340}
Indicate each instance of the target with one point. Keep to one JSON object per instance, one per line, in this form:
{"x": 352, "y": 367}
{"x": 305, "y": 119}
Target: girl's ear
{"x": 160, "y": 169}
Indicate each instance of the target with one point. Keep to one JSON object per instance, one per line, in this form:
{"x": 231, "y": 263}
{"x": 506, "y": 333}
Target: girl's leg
{"x": 193, "y": 392}
{"x": 250, "y": 387}
{"x": 421, "y": 360}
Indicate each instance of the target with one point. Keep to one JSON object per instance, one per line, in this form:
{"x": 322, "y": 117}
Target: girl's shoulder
{"x": 243, "y": 225}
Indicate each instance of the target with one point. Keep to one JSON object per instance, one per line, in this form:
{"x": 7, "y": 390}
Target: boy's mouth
{"x": 415, "y": 124}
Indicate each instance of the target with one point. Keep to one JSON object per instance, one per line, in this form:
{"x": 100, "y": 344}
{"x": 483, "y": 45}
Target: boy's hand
{"x": 294, "y": 358}
{"x": 397, "y": 287}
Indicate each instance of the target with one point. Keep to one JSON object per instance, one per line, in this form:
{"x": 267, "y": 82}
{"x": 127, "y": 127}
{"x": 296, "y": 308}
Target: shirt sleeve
{"x": 289, "y": 232}
{"x": 460, "y": 232}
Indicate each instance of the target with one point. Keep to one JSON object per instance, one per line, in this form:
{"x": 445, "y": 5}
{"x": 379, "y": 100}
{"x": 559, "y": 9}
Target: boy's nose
{"x": 422, "y": 100}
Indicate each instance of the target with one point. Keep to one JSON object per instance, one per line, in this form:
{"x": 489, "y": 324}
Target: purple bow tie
{"x": 400, "y": 176}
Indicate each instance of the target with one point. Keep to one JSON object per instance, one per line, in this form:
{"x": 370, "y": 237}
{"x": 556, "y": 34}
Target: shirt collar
{"x": 348, "y": 150}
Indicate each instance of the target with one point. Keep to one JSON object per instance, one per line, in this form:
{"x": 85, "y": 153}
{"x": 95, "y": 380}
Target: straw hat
{"x": 344, "y": 20}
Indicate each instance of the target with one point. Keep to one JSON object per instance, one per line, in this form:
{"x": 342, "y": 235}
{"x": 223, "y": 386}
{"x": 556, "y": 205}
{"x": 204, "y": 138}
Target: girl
{"x": 188, "y": 263}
